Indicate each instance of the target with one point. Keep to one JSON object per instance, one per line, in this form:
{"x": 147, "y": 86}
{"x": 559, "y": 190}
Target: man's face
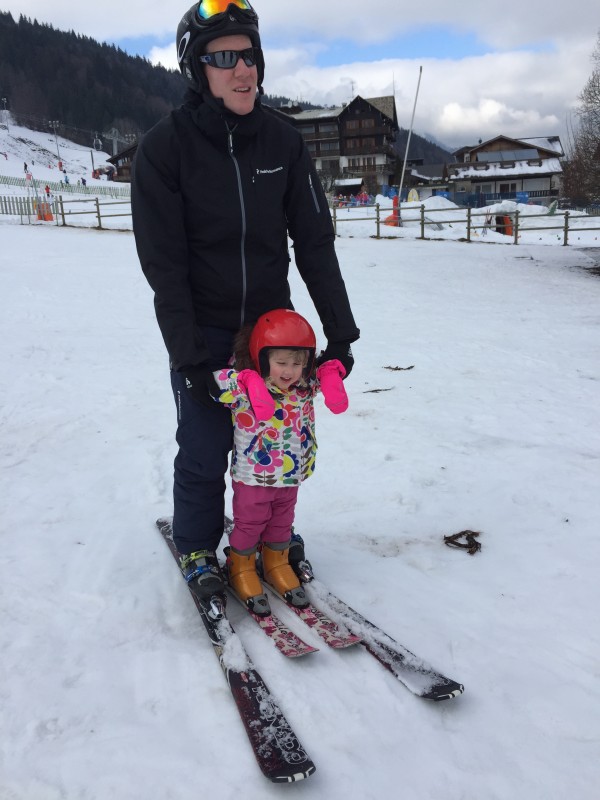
{"x": 237, "y": 86}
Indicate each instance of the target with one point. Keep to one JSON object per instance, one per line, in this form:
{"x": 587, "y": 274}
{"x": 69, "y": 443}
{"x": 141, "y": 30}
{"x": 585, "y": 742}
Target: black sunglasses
{"x": 228, "y": 59}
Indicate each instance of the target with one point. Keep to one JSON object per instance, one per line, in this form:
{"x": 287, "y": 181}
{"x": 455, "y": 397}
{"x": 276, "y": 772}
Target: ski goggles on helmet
{"x": 207, "y": 9}
{"x": 228, "y": 59}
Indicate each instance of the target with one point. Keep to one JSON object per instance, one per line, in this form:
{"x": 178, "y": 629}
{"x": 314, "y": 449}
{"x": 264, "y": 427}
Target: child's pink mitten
{"x": 330, "y": 376}
{"x": 260, "y": 397}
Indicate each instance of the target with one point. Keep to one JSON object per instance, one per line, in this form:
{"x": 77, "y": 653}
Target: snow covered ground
{"x": 108, "y": 686}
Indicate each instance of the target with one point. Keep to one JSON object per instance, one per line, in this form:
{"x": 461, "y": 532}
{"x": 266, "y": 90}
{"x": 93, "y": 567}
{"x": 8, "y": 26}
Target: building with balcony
{"x": 354, "y": 140}
{"x": 505, "y": 168}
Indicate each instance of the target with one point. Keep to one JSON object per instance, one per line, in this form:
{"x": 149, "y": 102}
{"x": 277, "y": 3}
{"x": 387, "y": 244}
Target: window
{"x": 352, "y": 123}
{"x": 329, "y": 146}
{"x": 369, "y": 141}
{"x": 327, "y": 127}
{"x": 508, "y": 187}
{"x": 368, "y": 123}
{"x": 352, "y": 144}
{"x": 306, "y": 129}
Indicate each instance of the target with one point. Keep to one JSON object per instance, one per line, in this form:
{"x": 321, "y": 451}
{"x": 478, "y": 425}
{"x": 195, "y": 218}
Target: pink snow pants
{"x": 262, "y": 514}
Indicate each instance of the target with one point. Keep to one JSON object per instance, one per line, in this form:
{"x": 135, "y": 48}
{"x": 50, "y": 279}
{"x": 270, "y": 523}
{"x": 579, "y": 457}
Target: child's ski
{"x": 282, "y": 637}
{"x": 322, "y": 625}
{"x": 417, "y": 675}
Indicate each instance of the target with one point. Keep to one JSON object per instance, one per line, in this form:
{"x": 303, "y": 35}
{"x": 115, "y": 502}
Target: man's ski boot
{"x": 203, "y": 574}
{"x": 297, "y": 559}
{"x": 244, "y": 580}
{"x": 278, "y": 573}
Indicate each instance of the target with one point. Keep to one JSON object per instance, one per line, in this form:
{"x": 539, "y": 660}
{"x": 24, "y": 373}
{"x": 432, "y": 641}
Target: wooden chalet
{"x": 354, "y": 140}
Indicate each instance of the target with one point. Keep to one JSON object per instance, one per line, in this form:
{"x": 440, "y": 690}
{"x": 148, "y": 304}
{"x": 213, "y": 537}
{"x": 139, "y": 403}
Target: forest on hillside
{"x": 47, "y": 74}
{"x": 89, "y": 87}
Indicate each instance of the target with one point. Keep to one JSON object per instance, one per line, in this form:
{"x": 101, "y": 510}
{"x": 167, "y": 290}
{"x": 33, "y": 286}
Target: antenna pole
{"x": 407, "y": 146}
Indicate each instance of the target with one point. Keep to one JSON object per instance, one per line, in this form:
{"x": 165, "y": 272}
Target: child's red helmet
{"x": 284, "y": 329}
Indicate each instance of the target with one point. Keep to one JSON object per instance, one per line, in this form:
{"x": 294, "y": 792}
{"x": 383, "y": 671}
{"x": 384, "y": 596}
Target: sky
{"x": 487, "y": 70}
{"x": 473, "y": 405}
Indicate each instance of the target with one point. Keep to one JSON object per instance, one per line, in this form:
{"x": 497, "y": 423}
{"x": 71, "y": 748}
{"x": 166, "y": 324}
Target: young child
{"x": 270, "y": 392}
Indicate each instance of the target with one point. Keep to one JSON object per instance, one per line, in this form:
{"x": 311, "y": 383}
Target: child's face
{"x": 286, "y": 367}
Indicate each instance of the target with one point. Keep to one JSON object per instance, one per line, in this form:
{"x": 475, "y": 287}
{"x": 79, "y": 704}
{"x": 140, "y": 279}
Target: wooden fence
{"x": 61, "y": 211}
{"x": 511, "y": 225}
{"x": 64, "y": 211}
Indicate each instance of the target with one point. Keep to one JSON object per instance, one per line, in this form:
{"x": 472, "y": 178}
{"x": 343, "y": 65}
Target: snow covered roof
{"x": 546, "y": 143}
{"x": 484, "y": 170}
{"x": 318, "y": 113}
{"x": 386, "y": 105}
{"x": 428, "y": 172}
{"x": 550, "y": 143}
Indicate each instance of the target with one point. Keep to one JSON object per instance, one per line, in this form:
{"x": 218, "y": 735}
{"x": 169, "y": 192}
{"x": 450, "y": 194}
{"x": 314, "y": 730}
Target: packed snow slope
{"x": 473, "y": 405}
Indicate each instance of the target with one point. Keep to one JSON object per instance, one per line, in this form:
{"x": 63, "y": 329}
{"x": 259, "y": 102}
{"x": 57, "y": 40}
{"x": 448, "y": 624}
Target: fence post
{"x": 378, "y": 223}
{"x": 98, "y": 213}
{"x": 422, "y": 221}
{"x": 566, "y": 237}
{"x": 469, "y": 224}
{"x": 62, "y": 209}
{"x": 516, "y": 226}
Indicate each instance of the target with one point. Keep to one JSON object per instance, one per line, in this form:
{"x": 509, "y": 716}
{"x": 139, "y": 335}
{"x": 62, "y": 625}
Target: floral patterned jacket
{"x": 280, "y": 451}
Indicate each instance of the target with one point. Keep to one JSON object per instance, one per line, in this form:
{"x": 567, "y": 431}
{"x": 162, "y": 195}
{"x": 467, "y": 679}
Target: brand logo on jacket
{"x": 268, "y": 171}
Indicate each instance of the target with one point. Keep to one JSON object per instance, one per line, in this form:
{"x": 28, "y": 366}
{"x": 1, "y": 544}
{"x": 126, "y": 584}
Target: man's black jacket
{"x": 214, "y": 197}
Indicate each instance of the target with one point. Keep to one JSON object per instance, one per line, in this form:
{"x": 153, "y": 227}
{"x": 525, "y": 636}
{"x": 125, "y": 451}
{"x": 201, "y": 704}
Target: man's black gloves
{"x": 340, "y": 350}
{"x": 201, "y": 384}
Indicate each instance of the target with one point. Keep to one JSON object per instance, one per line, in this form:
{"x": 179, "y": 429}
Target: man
{"x": 217, "y": 187}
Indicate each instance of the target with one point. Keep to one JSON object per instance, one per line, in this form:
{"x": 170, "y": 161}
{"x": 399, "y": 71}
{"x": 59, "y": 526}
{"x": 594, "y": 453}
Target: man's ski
{"x": 280, "y": 755}
{"x": 417, "y": 675}
{"x": 282, "y": 637}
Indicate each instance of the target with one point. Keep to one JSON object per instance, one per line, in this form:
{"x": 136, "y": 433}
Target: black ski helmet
{"x": 194, "y": 32}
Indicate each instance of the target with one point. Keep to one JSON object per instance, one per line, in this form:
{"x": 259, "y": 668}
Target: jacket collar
{"x": 214, "y": 120}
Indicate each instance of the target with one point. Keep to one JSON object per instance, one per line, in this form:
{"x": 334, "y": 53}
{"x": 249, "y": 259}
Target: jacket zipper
{"x": 243, "y": 210}
{"x": 314, "y": 194}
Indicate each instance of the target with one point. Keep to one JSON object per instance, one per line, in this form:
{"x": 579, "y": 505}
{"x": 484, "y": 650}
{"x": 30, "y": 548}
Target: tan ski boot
{"x": 244, "y": 580}
{"x": 278, "y": 573}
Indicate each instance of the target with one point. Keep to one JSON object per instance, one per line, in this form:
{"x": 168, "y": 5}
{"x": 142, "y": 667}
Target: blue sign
{"x": 522, "y": 197}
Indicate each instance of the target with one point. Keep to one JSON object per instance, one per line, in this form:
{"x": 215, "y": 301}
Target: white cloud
{"x": 377, "y": 20}
{"x": 517, "y": 94}
{"x": 529, "y": 93}
{"x": 166, "y": 56}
